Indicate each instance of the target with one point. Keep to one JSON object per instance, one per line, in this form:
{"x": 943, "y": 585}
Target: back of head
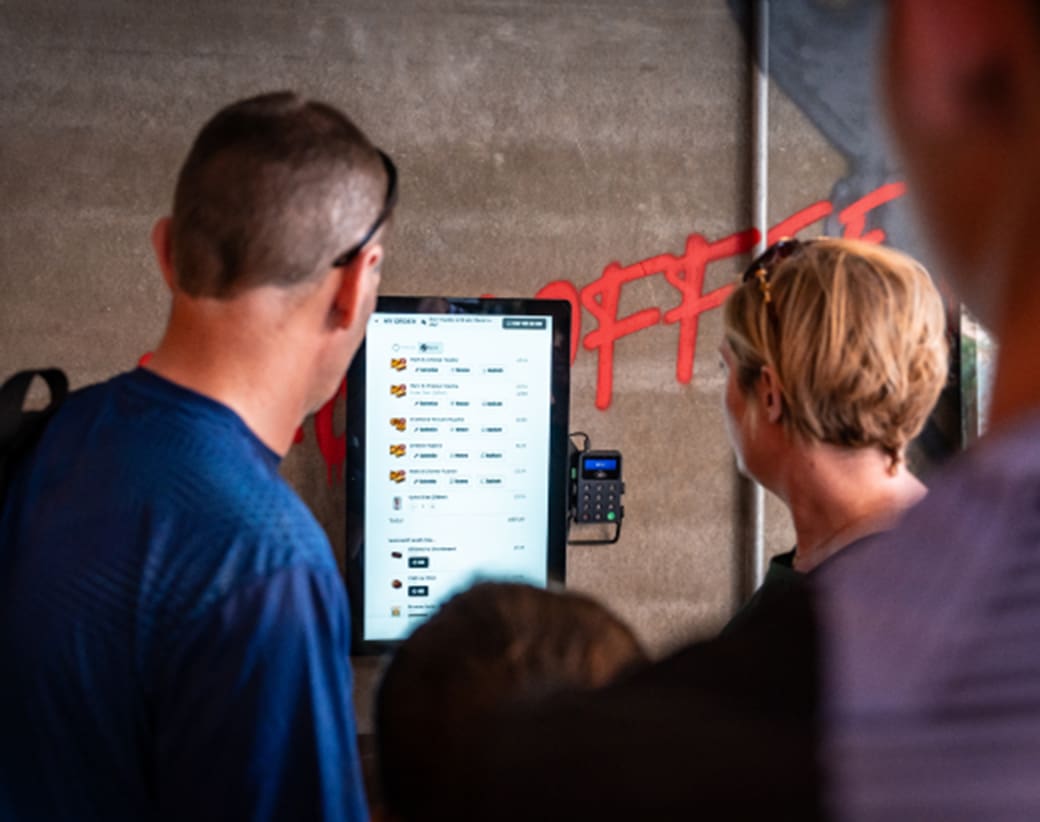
{"x": 856, "y": 334}
{"x": 272, "y": 191}
{"x": 486, "y": 647}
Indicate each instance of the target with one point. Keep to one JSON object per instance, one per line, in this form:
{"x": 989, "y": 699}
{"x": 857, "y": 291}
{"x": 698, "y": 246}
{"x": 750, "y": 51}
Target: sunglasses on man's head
{"x": 388, "y": 206}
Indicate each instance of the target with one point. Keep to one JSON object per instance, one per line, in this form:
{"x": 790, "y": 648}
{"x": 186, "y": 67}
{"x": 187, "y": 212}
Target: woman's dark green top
{"x": 781, "y": 578}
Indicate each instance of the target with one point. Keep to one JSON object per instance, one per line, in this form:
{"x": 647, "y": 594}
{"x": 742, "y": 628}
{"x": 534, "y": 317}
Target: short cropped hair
{"x": 856, "y": 334}
{"x": 273, "y": 189}
{"x": 486, "y": 647}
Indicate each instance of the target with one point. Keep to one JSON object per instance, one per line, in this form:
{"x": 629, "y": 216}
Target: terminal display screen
{"x": 600, "y": 467}
{"x": 456, "y": 431}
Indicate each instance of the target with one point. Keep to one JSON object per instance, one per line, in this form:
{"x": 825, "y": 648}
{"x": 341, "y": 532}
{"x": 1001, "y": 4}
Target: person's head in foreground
{"x": 836, "y": 353}
{"x": 962, "y": 83}
{"x": 491, "y": 645}
{"x": 272, "y": 253}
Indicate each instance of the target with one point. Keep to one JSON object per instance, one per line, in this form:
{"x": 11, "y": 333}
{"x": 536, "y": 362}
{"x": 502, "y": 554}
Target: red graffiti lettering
{"x": 333, "y": 446}
{"x": 799, "y": 220}
{"x": 601, "y": 298}
{"x": 854, "y": 217}
{"x": 687, "y": 275}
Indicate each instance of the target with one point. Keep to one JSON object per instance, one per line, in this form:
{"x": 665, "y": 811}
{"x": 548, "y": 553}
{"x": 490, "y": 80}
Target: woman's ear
{"x": 770, "y": 397}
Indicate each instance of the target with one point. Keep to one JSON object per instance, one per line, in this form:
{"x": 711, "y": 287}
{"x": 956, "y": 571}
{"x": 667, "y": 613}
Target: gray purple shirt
{"x": 931, "y": 649}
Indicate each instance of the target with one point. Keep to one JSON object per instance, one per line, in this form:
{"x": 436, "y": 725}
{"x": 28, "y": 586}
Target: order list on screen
{"x": 457, "y": 415}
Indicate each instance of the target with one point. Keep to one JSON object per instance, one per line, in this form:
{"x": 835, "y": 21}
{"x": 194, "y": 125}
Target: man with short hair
{"x": 174, "y": 633}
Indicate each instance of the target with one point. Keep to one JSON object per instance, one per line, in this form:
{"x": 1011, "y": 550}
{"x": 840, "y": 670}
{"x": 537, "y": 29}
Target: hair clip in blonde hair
{"x": 763, "y": 263}
{"x": 762, "y": 275}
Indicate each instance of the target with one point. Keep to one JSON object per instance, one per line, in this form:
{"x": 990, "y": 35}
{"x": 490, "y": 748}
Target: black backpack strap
{"x": 19, "y": 429}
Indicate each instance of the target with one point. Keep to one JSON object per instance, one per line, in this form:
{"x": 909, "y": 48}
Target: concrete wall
{"x": 536, "y": 141}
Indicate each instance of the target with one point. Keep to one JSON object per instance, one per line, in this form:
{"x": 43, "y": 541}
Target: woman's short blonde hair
{"x": 856, "y": 334}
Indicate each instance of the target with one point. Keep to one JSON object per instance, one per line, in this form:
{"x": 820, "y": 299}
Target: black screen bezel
{"x": 559, "y": 419}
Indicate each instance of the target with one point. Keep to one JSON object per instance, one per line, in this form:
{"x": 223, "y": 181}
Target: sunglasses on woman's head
{"x": 762, "y": 265}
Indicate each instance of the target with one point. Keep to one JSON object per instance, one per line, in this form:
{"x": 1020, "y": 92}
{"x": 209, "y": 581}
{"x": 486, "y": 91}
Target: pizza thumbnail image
{"x": 397, "y": 476}
{"x": 398, "y": 449}
{"x": 399, "y": 390}
{"x": 396, "y": 583}
{"x": 400, "y": 423}
{"x": 399, "y": 363}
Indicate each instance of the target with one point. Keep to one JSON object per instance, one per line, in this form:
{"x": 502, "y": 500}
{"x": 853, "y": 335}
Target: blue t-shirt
{"x": 174, "y": 634}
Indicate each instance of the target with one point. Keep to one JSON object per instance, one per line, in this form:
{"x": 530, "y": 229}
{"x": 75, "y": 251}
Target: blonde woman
{"x": 836, "y": 353}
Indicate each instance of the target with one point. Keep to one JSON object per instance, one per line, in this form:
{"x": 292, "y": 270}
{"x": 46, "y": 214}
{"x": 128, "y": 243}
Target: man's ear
{"x": 163, "y": 251}
{"x": 770, "y": 397}
{"x": 358, "y": 286}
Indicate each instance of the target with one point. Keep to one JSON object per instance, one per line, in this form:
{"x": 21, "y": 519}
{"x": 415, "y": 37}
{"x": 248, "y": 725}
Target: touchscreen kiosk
{"x": 457, "y": 415}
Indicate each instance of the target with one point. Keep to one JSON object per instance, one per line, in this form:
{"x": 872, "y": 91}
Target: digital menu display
{"x": 460, "y": 465}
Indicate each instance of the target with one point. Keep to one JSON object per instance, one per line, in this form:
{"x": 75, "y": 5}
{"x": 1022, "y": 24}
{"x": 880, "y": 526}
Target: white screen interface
{"x": 457, "y": 415}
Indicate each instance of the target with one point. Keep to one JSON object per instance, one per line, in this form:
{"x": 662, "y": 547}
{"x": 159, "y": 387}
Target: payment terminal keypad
{"x": 599, "y": 487}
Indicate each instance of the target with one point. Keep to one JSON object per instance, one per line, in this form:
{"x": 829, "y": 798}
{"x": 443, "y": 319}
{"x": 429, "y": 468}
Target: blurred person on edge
{"x": 931, "y": 676}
